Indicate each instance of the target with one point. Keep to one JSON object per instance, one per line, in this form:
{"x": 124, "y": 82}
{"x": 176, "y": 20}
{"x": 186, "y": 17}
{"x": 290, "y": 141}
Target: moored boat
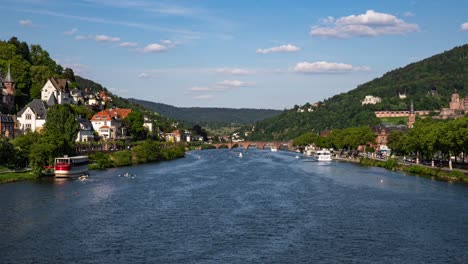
{"x": 70, "y": 167}
{"x": 323, "y": 155}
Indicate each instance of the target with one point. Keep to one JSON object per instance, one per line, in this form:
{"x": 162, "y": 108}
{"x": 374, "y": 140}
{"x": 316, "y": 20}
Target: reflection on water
{"x": 215, "y": 207}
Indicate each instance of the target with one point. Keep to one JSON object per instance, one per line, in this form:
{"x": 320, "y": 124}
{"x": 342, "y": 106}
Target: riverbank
{"x": 142, "y": 152}
{"x": 15, "y": 176}
{"x": 436, "y": 173}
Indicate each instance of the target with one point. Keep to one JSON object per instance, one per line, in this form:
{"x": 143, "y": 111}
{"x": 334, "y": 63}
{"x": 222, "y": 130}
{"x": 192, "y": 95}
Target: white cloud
{"x": 282, "y": 48}
{"x": 200, "y": 89}
{"x": 105, "y": 38}
{"x": 369, "y": 24}
{"x": 25, "y": 23}
{"x": 203, "y": 97}
{"x": 128, "y": 44}
{"x": 408, "y": 14}
{"x": 70, "y": 32}
{"x": 81, "y": 37}
{"x": 155, "y": 47}
{"x": 234, "y": 84}
{"x": 234, "y": 71}
{"x": 169, "y": 43}
{"x": 326, "y": 67}
{"x": 144, "y": 75}
{"x": 100, "y": 20}
{"x": 464, "y": 26}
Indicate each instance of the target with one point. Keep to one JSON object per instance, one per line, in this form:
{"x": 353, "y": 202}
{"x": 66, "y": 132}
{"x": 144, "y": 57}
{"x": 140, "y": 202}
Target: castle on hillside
{"x": 457, "y": 106}
{"x": 7, "y": 95}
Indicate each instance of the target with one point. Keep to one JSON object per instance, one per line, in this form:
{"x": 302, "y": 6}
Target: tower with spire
{"x": 8, "y": 91}
{"x": 412, "y": 116}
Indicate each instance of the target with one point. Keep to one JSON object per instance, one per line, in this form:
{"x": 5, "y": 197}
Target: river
{"x": 214, "y": 207}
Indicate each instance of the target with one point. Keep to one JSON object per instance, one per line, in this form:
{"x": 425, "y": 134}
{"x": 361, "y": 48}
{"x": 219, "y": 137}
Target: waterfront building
{"x": 108, "y": 123}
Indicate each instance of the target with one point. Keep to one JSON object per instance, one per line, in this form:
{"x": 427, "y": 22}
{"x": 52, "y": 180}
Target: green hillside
{"x": 31, "y": 66}
{"x": 443, "y": 73}
{"x": 212, "y": 117}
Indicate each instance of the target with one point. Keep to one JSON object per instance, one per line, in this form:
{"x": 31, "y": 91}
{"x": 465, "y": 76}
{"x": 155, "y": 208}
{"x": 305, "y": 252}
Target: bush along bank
{"x": 434, "y": 173}
{"x": 141, "y": 152}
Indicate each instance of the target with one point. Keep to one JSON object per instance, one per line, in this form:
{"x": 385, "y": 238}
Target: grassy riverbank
{"x": 424, "y": 171}
{"x": 142, "y": 152}
{"x": 16, "y": 176}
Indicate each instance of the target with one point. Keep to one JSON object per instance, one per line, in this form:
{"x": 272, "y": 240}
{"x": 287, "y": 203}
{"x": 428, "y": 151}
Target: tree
{"x": 306, "y": 139}
{"x": 69, "y": 75}
{"x": 133, "y": 122}
{"x": 61, "y": 128}
{"x": 39, "y": 76}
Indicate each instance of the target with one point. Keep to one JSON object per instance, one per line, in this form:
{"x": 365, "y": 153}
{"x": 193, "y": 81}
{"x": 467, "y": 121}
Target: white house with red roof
{"x": 174, "y": 136}
{"x": 107, "y": 123}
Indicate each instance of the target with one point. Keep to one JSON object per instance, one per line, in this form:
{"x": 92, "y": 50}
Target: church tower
{"x": 9, "y": 91}
{"x": 411, "y": 117}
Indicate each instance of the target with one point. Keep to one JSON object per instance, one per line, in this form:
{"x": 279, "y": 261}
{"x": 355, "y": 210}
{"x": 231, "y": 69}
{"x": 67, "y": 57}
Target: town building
{"x": 56, "y": 91}
{"x": 7, "y": 92}
{"x": 85, "y": 133}
{"x": 7, "y": 126}
{"x": 108, "y": 123}
{"x": 33, "y": 116}
{"x": 174, "y": 136}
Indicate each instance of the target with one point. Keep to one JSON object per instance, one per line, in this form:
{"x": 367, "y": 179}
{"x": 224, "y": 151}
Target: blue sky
{"x": 249, "y": 54}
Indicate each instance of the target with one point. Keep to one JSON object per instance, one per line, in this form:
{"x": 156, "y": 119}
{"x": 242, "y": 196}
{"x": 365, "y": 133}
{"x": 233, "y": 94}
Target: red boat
{"x": 68, "y": 167}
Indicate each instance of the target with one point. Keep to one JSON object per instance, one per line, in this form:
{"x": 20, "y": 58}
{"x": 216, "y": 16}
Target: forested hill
{"x": 429, "y": 83}
{"x": 209, "y": 116}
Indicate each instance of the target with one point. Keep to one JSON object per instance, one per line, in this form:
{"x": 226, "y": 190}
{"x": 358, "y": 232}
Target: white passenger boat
{"x": 70, "y": 167}
{"x": 323, "y": 155}
{"x": 274, "y": 149}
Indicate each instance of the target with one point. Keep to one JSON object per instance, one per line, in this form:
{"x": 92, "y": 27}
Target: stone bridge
{"x": 258, "y": 144}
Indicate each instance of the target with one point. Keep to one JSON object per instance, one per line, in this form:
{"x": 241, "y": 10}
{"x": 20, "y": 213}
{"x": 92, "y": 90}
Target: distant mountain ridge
{"x": 429, "y": 83}
{"x": 209, "y": 115}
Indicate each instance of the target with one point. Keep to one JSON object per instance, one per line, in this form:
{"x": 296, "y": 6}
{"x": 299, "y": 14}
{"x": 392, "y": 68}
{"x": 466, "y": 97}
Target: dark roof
{"x": 76, "y": 91}
{"x": 60, "y": 84}
{"x": 83, "y": 121}
{"x": 6, "y": 118}
{"x": 38, "y": 106}
{"x": 52, "y": 100}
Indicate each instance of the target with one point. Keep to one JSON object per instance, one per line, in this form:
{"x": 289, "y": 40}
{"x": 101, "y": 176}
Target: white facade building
{"x": 369, "y": 99}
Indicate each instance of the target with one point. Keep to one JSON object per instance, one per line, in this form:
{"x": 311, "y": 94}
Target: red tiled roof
{"x": 109, "y": 113}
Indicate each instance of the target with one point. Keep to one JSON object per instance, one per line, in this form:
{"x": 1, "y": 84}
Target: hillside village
{"x": 105, "y": 124}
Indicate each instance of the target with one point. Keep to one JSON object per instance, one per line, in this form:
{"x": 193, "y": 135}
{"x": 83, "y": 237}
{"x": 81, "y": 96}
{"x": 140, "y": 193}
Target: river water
{"x": 214, "y": 207}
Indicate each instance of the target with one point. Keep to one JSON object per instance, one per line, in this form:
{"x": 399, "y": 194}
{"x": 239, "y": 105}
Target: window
{"x": 28, "y": 116}
{"x": 28, "y": 126}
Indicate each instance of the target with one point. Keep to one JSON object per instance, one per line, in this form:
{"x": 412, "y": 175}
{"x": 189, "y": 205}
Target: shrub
{"x": 121, "y": 158}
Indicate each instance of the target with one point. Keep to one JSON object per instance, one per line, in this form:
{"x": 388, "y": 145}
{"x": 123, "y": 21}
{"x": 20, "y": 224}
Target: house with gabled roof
{"x": 33, "y": 116}
{"x": 108, "y": 123}
{"x": 85, "y": 133}
{"x": 77, "y": 96}
{"x": 57, "y": 88}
